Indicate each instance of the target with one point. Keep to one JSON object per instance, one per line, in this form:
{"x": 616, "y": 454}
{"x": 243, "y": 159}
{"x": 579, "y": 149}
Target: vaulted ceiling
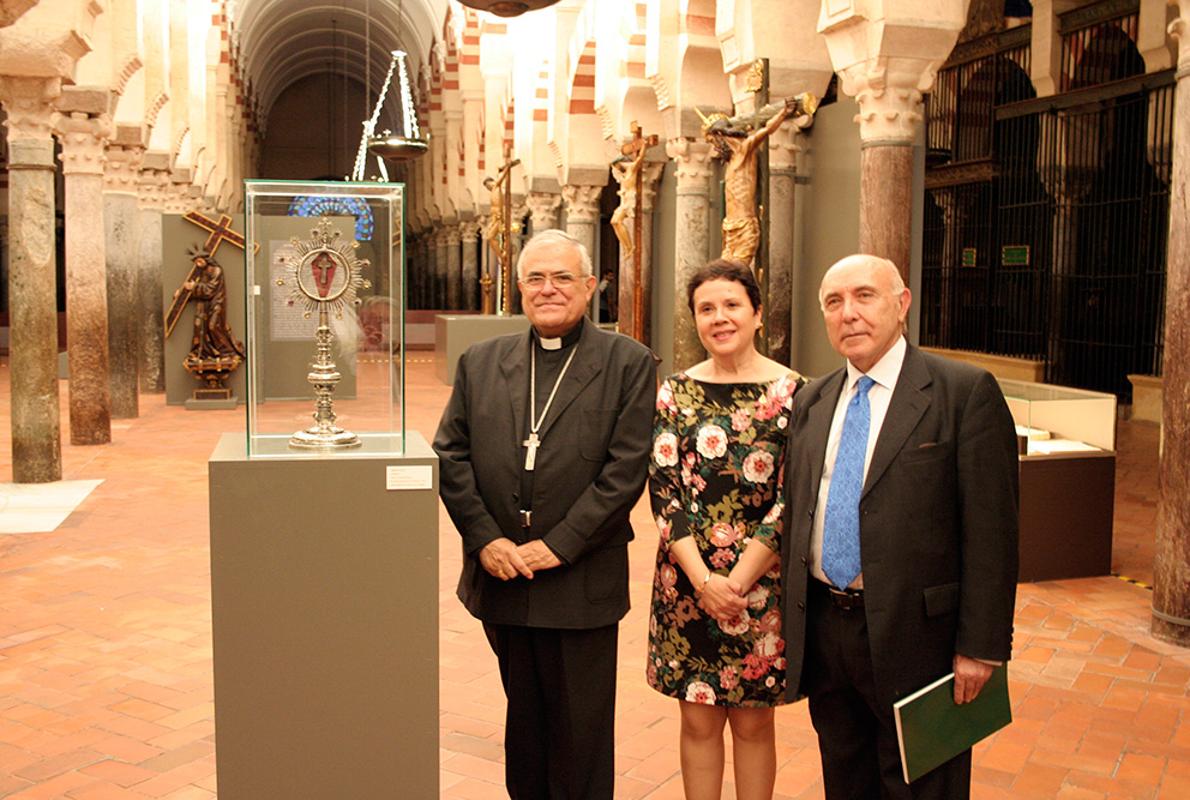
{"x": 283, "y": 41}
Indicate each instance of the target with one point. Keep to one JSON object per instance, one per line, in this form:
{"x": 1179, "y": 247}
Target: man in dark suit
{"x": 543, "y": 450}
{"x": 900, "y": 562}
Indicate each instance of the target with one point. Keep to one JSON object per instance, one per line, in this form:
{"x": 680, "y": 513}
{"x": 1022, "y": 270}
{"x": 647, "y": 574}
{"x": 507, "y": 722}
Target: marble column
{"x": 626, "y": 321}
{"x": 692, "y": 162}
{"x": 1171, "y": 565}
{"x": 783, "y": 149}
{"x": 886, "y": 201}
{"x": 468, "y": 231}
{"x": 441, "y": 260}
{"x": 519, "y": 211}
{"x": 454, "y": 270}
{"x": 489, "y": 271}
{"x": 154, "y": 179}
{"x": 32, "y": 301}
{"x": 582, "y": 213}
{"x": 543, "y": 211}
{"x": 885, "y": 59}
{"x": 82, "y": 129}
{"x": 123, "y": 303}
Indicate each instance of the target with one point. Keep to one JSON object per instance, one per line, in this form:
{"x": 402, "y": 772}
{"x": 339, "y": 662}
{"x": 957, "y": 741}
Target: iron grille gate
{"x": 1045, "y": 219}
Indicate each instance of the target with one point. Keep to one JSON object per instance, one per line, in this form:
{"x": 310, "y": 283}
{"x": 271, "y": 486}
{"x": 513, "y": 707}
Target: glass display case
{"x": 1066, "y": 439}
{"x": 325, "y": 289}
{"x": 1058, "y": 420}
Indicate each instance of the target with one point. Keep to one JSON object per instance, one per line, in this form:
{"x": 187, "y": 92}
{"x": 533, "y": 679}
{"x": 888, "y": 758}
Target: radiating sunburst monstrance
{"x": 324, "y": 274}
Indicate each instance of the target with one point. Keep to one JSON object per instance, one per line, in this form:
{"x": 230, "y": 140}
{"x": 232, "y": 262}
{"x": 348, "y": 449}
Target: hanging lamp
{"x": 408, "y": 144}
{"x": 507, "y": 8}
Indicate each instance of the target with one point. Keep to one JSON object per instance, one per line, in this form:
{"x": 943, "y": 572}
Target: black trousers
{"x": 857, "y": 734}
{"x": 560, "y": 726}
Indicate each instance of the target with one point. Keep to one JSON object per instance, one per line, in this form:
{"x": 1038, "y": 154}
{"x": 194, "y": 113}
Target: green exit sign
{"x": 1014, "y": 255}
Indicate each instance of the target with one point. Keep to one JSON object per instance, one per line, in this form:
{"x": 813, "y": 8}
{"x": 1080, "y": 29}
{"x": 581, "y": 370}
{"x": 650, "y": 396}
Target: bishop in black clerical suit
{"x": 543, "y": 450}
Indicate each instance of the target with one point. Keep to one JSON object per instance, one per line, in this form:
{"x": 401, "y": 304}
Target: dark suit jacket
{"x": 938, "y": 522}
{"x": 589, "y": 472}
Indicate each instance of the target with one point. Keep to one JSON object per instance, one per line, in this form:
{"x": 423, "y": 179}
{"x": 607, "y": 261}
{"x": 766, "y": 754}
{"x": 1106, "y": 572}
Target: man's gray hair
{"x": 555, "y": 236}
{"x": 881, "y": 264}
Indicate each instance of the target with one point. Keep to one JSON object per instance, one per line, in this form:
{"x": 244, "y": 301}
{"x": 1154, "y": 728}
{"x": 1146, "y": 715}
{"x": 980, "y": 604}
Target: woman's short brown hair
{"x": 726, "y": 270}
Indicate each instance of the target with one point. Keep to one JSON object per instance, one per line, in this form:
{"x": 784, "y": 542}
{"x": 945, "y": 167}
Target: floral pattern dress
{"x": 715, "y": 474}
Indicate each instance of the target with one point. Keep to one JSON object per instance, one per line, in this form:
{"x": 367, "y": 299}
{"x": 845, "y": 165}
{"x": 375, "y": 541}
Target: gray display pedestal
{"x": 454, "y": 333}
{"x": 324, "y": 587}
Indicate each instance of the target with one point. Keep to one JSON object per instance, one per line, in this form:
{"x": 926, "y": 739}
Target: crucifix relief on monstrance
{"x": 324, "y": 275}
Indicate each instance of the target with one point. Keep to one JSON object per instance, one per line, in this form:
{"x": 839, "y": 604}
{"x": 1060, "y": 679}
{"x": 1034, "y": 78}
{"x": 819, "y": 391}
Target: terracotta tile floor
{"x": 105, "y": 648}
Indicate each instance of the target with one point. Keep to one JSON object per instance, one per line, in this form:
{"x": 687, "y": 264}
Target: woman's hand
{"x": 722, "y": 598}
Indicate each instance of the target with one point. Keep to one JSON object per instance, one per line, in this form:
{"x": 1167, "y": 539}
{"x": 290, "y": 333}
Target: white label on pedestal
{"x": 414, "y": 477}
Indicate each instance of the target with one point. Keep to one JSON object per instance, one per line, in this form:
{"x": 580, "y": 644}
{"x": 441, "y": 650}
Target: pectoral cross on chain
{"x": 532, "y": 443}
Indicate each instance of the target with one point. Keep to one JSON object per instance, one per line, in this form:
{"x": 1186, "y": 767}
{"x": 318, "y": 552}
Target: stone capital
{"x": 84, "y": 140}
{"x": 122, "y": 171}
{"x": 693, "y": 164}
{"x": 650, "y": 179}
{"x": 470, "y": 229}
{"x": 886, "y": 55}
{"x": 28, "y": 102}
{"x": 152, "y": 188}
{"x": 582, "y": 202}
{"x": 784, "y": 145}
{"x": 543, "y": 207}
{"x": 450, "y": 236}
{"x": 887, "y": 114}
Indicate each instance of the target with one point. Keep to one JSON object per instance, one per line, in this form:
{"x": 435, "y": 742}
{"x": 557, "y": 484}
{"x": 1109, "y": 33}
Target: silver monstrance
{"x": 324, "y": 274}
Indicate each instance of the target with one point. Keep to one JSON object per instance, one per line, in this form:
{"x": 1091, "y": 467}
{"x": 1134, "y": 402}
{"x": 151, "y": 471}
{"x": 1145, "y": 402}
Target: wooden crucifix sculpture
{"x": 499, "y": 236}
{"x": 739, "y": 148}
{"x": 630, "y": 166}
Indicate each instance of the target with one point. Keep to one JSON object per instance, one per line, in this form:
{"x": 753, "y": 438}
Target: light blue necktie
{"x": 840, "y": 530}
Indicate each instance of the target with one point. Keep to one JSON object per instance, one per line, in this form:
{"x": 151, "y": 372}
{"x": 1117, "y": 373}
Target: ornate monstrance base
{"x": 314, "y": 438}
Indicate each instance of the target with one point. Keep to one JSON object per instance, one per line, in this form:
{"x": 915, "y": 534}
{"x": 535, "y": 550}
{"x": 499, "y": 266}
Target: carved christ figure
{"x": 494, "y": 233}
{"x": 629, "y": 174}
{"x": 741, "y": 226}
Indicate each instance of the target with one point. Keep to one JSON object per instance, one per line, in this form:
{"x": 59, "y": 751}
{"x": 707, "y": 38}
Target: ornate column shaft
{"x": 1171, "y": 566}
{"x": 32, "y": 302}
{"x": 121, "y": 174}
{"x": 154, "y": 181}
{"x": 440, "y": 266}
{"x": 783, "y": 149}
{"x": 543, "y": 211}
{"x": 626, "y": 283}
{"x": 83, "y": 137}
{"x": 692, "y": 238}
{"x": 468, "y": 231}
{"x": 454, "y": 272}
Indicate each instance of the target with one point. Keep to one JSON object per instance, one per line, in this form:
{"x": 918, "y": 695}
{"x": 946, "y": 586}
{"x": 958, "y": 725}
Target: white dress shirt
{"x": 885, "y": 373}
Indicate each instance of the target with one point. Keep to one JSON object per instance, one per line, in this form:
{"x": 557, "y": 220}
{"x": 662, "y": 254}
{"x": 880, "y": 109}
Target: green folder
{"x": 932, "y": 729}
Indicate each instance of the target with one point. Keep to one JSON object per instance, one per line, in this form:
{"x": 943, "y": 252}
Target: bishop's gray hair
{"x": 555, "y": 236}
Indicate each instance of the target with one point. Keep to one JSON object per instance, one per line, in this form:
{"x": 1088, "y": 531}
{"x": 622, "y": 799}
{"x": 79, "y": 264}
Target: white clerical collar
{"x": 885, "y": 371}
{"x": 559, "y": 342}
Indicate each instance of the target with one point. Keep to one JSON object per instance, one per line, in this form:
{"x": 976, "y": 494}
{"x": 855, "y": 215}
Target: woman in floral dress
{"x": 715, "y": 483}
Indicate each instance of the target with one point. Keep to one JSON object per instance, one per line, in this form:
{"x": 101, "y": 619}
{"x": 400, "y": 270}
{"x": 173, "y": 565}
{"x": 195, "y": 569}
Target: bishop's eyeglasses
{"x": 560, "y": 280}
